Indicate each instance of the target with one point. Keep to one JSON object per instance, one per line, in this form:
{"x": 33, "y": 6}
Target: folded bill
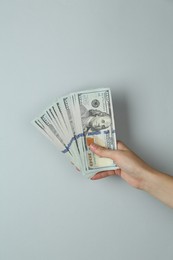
{"x": 75, "y": 121}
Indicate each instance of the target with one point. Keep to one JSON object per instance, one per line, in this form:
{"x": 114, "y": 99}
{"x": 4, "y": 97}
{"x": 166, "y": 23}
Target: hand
{"x": 132, "y": 168}
{"x": 136, "y": 172}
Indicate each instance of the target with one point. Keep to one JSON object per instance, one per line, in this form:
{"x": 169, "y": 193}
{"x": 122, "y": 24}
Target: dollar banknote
{"x": 75, "y": 121}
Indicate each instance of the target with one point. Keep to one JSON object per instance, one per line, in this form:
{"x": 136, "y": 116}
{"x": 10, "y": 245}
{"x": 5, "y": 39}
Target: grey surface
{"x": 51, "y": 48}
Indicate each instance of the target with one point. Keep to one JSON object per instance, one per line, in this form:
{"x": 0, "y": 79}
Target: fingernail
{"x": 93, "y": 146}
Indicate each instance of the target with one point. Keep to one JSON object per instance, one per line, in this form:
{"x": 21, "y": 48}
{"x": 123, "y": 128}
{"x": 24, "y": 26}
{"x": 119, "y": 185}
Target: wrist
{"x": 159, "y": 185}
{"x": 149, "y": 179}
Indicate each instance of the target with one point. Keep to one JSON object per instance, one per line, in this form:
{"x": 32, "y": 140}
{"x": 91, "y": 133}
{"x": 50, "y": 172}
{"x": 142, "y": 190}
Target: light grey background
{"x": 48, "y": 49}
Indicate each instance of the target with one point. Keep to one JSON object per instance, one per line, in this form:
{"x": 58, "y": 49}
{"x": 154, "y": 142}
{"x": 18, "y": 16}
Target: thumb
{"x": 102, "y": 151}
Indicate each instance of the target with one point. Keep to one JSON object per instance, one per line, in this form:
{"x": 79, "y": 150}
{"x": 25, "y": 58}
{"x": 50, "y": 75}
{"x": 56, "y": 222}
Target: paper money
{"x": 75, "y": 121}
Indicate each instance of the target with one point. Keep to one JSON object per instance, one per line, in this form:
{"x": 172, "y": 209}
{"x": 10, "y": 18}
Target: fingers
{"x": 103, "y": 174}
{"x": 102, "y": 152}
{"x": 118, "y": 172}
{"x": 108, "y": 153}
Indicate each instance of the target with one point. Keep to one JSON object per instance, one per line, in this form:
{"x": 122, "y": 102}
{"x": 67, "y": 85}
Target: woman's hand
{"x": 132, "y": 168}
{"x": 136, "y": 172}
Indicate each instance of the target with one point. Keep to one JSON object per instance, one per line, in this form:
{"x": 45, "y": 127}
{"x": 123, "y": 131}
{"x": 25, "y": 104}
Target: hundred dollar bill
{"x": 75, "y": 121}
{"x": 52, "y": 127}
{"x": 96, "y": 125}
{"x": 47, "y": 129}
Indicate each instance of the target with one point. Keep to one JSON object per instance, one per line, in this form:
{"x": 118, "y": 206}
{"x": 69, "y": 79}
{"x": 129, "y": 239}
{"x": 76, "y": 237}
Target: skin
{"x": 136, "y": 172}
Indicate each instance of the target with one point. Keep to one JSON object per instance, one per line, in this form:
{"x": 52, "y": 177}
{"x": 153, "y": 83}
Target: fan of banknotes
{"x": 75, "y": 121}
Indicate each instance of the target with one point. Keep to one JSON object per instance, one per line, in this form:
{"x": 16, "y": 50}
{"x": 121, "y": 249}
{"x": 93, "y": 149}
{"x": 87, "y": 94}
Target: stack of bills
{"x": 75, "y": 121}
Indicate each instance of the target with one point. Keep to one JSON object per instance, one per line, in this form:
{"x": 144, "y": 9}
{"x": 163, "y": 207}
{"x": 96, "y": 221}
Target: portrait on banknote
{"x": 94, "y": 119}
